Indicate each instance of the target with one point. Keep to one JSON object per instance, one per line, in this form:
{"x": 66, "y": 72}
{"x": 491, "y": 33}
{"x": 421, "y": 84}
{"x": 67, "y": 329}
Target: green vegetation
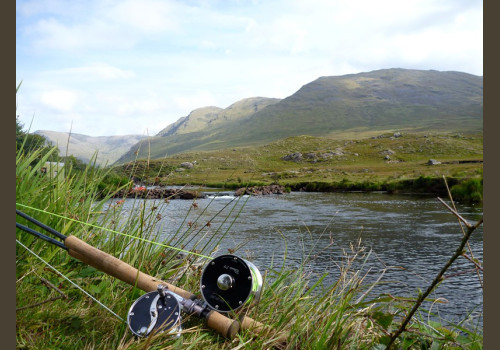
{"x": 469, "y": 191}
{"x": 364, "y": 104}
{"x": 26, "y": 142}
{"x": 320, "y": 316}
{"x": 377, "y": 163}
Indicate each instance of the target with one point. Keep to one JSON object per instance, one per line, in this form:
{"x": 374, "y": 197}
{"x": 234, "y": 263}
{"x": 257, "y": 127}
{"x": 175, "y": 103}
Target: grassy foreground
{"x": 380, "y": 162}
{"x": 53, "y": 314}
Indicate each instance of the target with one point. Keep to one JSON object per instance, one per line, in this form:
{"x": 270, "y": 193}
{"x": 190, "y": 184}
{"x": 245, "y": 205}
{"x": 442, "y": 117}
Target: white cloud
{"x": 116, "y": 67}
{"x": 208, "y": 44}
{"x": 100, "y": 25}
{"x": 91, "y": 72}
{"x": 148, "y": 16}
{"x": 195, "y": 98}
{"x": 52, "y": 34}
{"x": 52, "y": 7}
{"x": 60, "y": 100}
{"x": 135, "y": 108}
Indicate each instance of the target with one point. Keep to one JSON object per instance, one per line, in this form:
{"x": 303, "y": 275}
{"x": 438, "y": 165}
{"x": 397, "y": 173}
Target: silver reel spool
{"x": 229, "y": 282}
{"x": 159, "y": 310}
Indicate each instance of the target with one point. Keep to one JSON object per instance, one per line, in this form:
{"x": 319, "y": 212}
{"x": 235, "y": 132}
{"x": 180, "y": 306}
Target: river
{"x": 415, "y": 233}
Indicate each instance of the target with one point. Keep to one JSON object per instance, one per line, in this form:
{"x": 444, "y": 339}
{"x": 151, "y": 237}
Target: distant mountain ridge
{"x": 83, "y": 147}
{"x": 209, "y": 117}
{"x": 379, "y": 100}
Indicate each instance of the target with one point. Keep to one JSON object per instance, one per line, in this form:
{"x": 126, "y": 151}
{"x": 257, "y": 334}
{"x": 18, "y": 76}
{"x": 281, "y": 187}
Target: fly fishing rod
{"x": 227, "y": 283}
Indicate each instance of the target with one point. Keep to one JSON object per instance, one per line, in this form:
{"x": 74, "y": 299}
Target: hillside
{"x": 360, "y": 104}
{"x": 83, "y": 147}
{"x": 399, "y": 161}
{"x": 379, "y": 100}
{"x": 209, "y": 117}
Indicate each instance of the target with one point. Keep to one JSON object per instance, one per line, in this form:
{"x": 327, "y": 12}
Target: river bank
{"x": 410, "y": 163}
{"x": 462, "y": 190}
{"x": 159, "y": 192}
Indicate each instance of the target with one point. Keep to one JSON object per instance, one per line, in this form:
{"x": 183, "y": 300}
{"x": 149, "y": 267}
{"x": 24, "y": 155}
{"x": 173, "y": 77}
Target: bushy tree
{"x": 19, "y": 127}
{"x": 29, "y": 142}
{"x": 74, "y": 163}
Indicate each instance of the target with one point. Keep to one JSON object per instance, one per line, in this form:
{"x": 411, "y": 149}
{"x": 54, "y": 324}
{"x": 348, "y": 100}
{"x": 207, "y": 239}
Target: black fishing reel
{"x": 229, "y": 282}
{"x": 159, "y": 311}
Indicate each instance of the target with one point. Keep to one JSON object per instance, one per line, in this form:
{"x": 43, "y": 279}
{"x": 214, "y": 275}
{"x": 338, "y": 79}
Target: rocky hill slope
{"x": 388, "y": 99}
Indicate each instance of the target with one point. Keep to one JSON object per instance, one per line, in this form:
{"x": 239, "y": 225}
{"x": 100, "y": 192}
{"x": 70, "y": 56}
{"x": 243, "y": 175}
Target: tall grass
{"x": 468, "y": 191}
{"x": 343, "y": 315}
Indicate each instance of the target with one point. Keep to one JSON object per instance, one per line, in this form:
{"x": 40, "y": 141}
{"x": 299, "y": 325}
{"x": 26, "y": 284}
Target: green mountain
{"x": 83, "y": 147}
{"x": 388, "y": 99}
{"x": 211, "y": 117}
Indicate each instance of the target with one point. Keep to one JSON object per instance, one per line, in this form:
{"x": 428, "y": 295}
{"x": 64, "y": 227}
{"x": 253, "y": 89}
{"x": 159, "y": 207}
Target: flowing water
{"x": 417, "y": 234}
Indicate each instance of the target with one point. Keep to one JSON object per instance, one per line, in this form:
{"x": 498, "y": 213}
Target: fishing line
{"x": 206, "y": 225}
{"x": 113, "y": 231}
{"x": 225, "y": 220}
{"x": 213, "y": 217}
{"x": 70, "y": 281}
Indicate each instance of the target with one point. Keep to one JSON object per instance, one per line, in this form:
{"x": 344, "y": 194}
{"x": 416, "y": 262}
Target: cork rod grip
{"x": 115, "y": 267}
{"x": 222, "y": 325}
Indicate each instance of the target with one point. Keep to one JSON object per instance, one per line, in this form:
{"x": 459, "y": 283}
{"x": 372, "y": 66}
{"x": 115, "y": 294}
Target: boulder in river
{"x": 260, "y": 190}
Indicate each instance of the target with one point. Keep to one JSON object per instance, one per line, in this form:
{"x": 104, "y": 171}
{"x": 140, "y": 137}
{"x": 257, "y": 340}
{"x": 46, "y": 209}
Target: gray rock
{"x": 260, "y": 190}
{"x": 433, "y": 162}
{"x": 295, "y": 157}
{"x": 187, "y": 165}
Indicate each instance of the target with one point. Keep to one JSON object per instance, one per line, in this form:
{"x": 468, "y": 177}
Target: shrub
{"x": 468, "y": 191}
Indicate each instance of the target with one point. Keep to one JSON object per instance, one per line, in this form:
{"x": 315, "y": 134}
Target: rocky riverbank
{"x": 159, "y": 193}
{"x": 260, "y": 190}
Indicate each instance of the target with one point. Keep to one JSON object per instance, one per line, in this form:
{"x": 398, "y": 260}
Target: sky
{"x": 106, "y": 67}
